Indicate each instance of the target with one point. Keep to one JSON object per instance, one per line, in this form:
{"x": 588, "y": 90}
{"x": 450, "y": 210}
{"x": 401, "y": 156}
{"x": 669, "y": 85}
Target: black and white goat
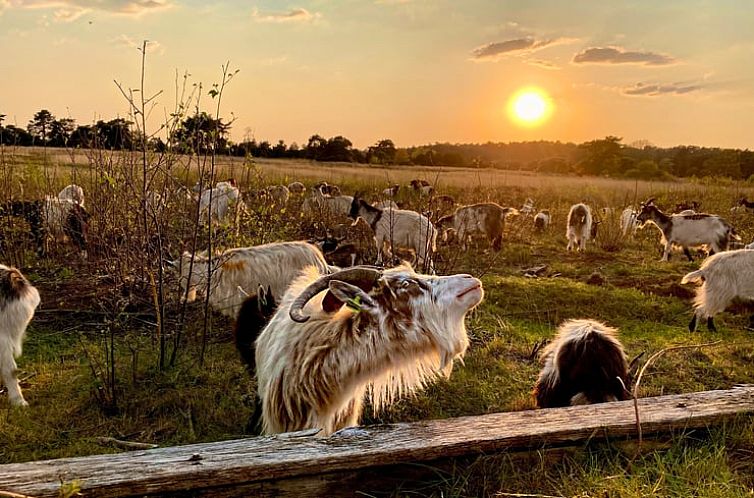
{"x": 688, "y": 230}
{"x": 542, "y": 220}
{"x": 726, "y": 277}
{"x": 18, "y": 300}
{"x": 584, "y": 364}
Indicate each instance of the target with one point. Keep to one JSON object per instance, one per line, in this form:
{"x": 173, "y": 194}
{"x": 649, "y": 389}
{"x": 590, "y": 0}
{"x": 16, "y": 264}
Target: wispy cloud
{"x": 543, "y": 64}
{"x": 518, "y": 46}
{"x": 618, "y": 55}
{"x": 657, "y": 89}
{"x": 70, "y": 10}
{"x": 297, "y": 15}
{"x": 126, "y": 41}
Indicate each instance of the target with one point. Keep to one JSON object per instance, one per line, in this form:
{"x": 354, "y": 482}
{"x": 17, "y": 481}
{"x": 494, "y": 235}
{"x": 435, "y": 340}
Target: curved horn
{"x": 357, "y": 273}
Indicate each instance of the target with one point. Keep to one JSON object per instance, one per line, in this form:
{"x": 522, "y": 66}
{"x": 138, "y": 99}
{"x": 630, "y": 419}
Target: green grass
{"x": 638, "y": 294}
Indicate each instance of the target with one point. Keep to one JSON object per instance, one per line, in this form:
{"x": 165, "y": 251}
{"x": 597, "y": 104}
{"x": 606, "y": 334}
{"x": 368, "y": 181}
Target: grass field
{"x": 67, "y": 354}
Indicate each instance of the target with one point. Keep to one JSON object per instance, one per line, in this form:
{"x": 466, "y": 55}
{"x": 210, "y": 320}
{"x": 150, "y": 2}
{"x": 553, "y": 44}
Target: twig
{"x": 525, "y": 495}
{"x": 127, "y": 445}
{"x": 10, "y": 494}
{"x": 651, "y": 359}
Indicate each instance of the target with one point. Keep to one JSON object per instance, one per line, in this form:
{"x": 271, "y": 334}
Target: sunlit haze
{"x": 414, "y": 71}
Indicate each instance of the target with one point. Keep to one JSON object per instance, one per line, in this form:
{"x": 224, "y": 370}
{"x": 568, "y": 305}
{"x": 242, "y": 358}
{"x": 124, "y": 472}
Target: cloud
{"x": 518, "y": 46}
{"x": 70, "y": 10}
{"x": 657, "y": 89}
{"x": 618, "y": 55}
{"x": 290, "y": 16}
{"x": 126, "y": 41}
{"x": 542, "y": 64}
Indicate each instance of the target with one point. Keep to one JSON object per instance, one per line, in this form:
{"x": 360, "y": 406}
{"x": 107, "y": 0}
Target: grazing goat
{"x": 528, "y": 207}
{"x": 270, "y": 265}
{"x": 628, "y": 221}
{"x": 579, "y": 228}
{"x": 61, "y": 219}
{"x": 348, "y": 244}
{"x": 319, "y": 204}
{"x": 392, "y": 190}
{"x": 585, "y": 364}
{"x": 744, "y": 205}
{"x": 400, "y": 228}
{"x": 226, "y": 203}
{"x": 296, "y": 188}
{"x": 386, "y": 204}
{"x": 422, "y": 186}
{"x": 686, "y": 206}
{"x": 688, "y": 230}
{"x": 317, "y": 359}
{"x": 726, "y": 277}
{"x": 542, "y": 220}
{"x": 487, "y": 219}
{"x": 18, "y": 300}
{"x": 73, "y": 193}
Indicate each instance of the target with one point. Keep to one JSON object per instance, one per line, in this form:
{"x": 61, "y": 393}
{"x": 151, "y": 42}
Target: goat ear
{"x": 172, "y": 264}
{"x": 341, "y": 293}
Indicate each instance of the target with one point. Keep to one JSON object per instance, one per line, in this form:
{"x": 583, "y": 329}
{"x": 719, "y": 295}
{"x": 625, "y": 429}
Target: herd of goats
{"x": 322, "y": 337}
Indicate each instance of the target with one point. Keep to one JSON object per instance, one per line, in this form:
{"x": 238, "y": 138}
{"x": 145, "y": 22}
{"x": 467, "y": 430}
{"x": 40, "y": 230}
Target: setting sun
{"x": 530, "y": 106}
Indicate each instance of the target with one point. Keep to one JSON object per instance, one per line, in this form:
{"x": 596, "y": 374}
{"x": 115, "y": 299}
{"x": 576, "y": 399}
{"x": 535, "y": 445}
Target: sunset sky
{"x": 415, "y": 71}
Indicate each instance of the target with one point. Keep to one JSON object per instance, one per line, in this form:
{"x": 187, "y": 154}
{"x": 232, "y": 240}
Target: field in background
{"x": 619, "y": 280}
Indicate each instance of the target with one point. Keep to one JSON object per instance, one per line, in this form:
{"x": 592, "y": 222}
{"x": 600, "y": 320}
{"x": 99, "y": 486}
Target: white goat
{"x": 688, "y": 230}
{"x": 726, "y": 276}
{"x": 274, "y": 265}
{"x": 579, "y": 228}
{"x": 400, "y": 228}
{"x": 584, "y": 364}
{"x": 73, "y": 193}
{"x": 542, "y": 220}
{"x": 319, "y": 204}
{"x": 226, "y": 203}
{"x": 317, "y": 359}
{"x": 486, "y": 219}
{"x": 296, "y": 188}
{"x": 528, "y": 207}
{"x": 18, "y": 300}
{"x": 628, "y": 221}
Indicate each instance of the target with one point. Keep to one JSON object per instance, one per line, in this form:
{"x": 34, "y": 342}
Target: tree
{"x": 315, "y": 147}
{"x": 39, "y": 126}
{"x": 337, "y": 149}
{"x": 201, "y": 133}
{"x": 601, "y": 156}
{"x": 114, "y": 134}
{"x": 61, "y": 131}
{"x": 383, "y": 152}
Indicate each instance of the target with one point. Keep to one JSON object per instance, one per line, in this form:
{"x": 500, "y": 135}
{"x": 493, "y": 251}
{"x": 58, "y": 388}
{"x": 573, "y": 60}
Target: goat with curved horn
{"x": 361, "y": 274}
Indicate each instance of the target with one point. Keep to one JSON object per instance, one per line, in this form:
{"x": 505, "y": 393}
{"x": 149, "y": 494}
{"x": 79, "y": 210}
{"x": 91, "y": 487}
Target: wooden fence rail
{"x": 299, "y": 464}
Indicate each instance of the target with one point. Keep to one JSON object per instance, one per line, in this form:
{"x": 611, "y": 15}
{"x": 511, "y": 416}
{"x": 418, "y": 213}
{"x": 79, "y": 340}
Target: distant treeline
{"x": 201, "y": 133}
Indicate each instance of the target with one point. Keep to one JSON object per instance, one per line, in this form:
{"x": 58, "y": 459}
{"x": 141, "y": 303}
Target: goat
{"x": 628, "y": 221}
{"x": 18, "y": 300}
{"x": 579, "y": 228}
{"x": 399, "y": 227}
{"x": 317, "y": 359}
{"x": 296, "y": 188}
{"x": 325, "y": 205}
{"x": 392, "y": 190}
{"x": 528, "y": 207}
{"x": 73, "y": 193}
{"x": 272, "y": 265}
{"x": 422, "y": 186}
{"x": 584, "y": 364}
{"x": 386, "y": 204}
{"x": 347, "y": 244}
{"x": 686, "y": 206}
{"x": 743, "y": 205}
{"x": 542, "y": 220}
{"x": 61, "y": 219}
{"x": 687, "y": 230}
{"x": 486, "y": 219}
{"x": 226, "y": 203}
{"x": 726, "y": 276}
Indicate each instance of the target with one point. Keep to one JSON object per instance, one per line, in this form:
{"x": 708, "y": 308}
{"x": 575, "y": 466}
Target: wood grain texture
{"x": 304, "y": 460}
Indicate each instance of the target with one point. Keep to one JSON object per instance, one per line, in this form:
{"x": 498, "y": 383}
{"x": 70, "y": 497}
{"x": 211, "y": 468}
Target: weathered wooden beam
{"x": 296, "y": 462}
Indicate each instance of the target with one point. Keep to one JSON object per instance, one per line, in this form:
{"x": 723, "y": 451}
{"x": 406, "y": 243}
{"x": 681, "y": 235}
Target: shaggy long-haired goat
{"x": 579, "y": 228}
{"x": 688, "y": 230}
{"x": 584, "y": 364}
{"x": 18, "y": 300}
{"x": 726, "y": 277}
{"x": 358, "y": 331}
{"x": 60, "y": 219}
{"x": 273, "y": 265}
